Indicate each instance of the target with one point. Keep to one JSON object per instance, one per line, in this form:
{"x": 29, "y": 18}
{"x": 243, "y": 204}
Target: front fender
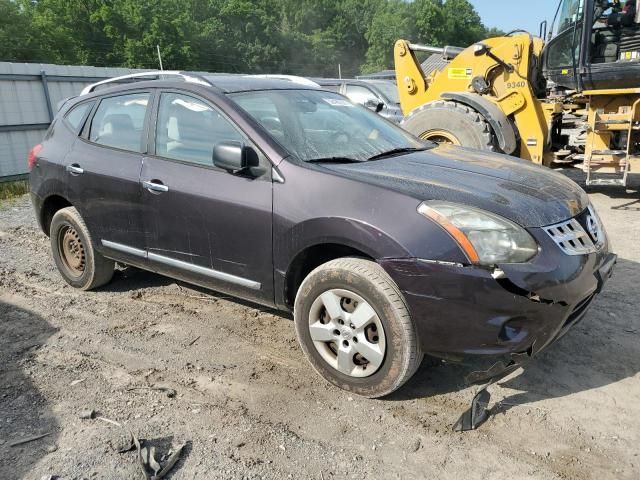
{"x": 346, "y": 232}
{"x": 342, "y": 231}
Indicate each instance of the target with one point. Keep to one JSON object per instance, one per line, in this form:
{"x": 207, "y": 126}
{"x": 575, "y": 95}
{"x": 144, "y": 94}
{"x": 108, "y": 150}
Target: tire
{"x": 390, "y": 335}
{"x": 450, "y": 122}
{"x": 77, "y": 261}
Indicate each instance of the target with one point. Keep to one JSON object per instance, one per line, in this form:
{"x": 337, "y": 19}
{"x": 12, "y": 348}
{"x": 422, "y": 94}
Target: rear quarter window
{"x": 75, "y": 117}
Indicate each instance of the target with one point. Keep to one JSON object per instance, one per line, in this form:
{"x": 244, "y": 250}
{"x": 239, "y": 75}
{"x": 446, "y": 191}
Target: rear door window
{"x": 119, "y": 122}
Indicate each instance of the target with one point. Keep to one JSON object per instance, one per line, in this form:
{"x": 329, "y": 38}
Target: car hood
{"x": 528, "y": 194}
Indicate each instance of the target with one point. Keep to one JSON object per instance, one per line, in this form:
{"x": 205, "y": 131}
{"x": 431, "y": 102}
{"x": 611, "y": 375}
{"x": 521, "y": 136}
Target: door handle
{"x": 155, "y": 187}
{"x": 74, "y": 169}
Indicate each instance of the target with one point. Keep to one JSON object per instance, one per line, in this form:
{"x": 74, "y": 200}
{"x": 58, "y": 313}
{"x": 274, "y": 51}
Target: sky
{"x": 509, "y": 15}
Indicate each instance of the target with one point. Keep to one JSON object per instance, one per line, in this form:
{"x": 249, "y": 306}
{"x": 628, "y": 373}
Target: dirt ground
{"x": 248, "y": 405}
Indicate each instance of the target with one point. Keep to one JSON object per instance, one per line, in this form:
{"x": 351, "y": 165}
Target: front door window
{"x": 188, "y": 129}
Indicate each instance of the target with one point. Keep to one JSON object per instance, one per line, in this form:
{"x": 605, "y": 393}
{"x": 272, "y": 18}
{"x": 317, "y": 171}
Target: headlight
{"x": 486, "y": 238}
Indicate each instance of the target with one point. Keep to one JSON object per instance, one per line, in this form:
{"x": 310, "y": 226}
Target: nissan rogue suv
{"x": 384, "y": 247}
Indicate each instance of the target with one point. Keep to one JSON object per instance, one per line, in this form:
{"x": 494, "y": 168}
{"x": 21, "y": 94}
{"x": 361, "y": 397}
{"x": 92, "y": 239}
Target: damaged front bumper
{"x": 506, "y": 315}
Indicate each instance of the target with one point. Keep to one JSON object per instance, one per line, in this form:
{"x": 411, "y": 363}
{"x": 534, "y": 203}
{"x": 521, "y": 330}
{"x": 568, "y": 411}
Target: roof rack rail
{"x": 158, "y": 74}
{"x": 289, "y": 78}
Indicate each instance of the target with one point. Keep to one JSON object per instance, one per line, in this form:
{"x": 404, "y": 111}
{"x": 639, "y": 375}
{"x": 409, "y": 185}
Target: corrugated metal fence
{"x": 29, "y": 94}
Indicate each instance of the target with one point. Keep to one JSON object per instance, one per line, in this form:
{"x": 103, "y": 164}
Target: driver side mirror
{"x": 374, "y": 104}
{"x": 234, "y": 157}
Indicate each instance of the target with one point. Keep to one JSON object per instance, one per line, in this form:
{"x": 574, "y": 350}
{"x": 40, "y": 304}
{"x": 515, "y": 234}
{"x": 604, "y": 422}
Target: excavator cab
{"x": 595, "y": 44}
{"x": 518, "y": 95}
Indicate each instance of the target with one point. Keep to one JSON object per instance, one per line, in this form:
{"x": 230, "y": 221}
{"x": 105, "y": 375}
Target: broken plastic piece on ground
{"x": 146, "y": 456}
{"x": 477, "y": 414}
{"x": 500, "y": 369}
{"x": 147, "y": 460}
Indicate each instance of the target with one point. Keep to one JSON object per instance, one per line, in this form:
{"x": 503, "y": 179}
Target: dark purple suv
{"x": 383, "y": 246}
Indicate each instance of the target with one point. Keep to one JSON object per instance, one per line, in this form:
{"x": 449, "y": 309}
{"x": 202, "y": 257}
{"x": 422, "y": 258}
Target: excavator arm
{"x": 484, "y": 89}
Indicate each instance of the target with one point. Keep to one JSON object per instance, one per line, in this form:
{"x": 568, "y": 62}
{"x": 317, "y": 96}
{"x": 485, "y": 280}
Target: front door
{"x": 207, "y": 226}
{"x": 103, "y": 172}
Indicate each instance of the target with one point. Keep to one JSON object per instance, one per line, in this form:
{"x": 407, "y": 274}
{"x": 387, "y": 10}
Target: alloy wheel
{"x": 347, "y": 333}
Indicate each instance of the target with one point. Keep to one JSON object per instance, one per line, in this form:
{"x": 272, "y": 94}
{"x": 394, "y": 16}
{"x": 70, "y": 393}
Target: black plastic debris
{"x": 477, "y": 414}
{"x": 150, "y": 466}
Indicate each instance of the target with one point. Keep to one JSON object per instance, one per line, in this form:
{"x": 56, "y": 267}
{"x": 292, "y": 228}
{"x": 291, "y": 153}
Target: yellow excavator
{"x": 517, "y": 94}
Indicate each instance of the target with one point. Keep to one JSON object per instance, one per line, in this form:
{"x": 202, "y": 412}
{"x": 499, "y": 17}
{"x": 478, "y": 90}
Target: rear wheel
{"x": 450, "y": 123}
{"x": 355, "y": 329}
{"x": 77, "y": 261}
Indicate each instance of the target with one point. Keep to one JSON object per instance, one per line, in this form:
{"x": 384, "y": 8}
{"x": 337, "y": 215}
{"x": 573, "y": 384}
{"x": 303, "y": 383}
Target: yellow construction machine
{"x": 517, "y": 94}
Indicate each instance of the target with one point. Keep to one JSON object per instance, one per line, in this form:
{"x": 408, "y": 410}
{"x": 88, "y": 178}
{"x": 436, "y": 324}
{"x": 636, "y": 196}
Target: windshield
{"x": 314, "y": 125}
{"x": 570, "y": 11}
{"x": 388, "y": 88}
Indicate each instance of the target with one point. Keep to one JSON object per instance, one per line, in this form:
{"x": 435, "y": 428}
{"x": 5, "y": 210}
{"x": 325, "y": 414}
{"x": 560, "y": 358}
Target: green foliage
{"x": 15, "y": 41}
{"x": 9, "y": 190}
{"x": 304, "y": 37}
{"x": 392, "y": 21}
{"x": 454, "y": 22}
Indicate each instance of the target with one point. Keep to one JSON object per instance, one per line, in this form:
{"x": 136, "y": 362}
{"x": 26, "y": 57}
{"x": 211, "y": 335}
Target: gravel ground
{"x": 247, "y": 404}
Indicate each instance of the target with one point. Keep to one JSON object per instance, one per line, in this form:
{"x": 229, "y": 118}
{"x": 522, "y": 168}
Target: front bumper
{"x": 462, "y": 311}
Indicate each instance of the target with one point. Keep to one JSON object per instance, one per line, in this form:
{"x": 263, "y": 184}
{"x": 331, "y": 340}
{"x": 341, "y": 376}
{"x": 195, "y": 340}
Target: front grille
{"x": 580, "y": 235}
{"x": 571, "y": 237}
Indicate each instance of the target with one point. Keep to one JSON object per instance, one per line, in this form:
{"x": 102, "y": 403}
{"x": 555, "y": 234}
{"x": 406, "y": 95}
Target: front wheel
{"x": 355, "y": 329}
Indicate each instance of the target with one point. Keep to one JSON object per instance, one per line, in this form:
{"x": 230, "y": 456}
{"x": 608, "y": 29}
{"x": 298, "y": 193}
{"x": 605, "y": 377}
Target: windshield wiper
{"x": 335, "y": 160}
{"x": 397, "y": 151}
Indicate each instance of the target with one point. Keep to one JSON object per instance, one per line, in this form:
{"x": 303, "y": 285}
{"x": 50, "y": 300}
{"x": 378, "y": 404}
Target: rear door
{"x": 103, "y": 172}
{"x": 208, "y": 226}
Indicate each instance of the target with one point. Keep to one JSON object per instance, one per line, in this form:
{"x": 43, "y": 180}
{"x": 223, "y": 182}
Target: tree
{"x": 493, "y": 32}
{"x": 451, "y": 22}
{"x": 15, "y": 42}
{"x": 391, "y": 22}
{"x": 304, "y": 37}
{"x": 461, "y": 23}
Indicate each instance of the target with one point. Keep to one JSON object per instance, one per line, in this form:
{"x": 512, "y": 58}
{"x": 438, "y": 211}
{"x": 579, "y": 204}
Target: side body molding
{"x": 208, "y": 272}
